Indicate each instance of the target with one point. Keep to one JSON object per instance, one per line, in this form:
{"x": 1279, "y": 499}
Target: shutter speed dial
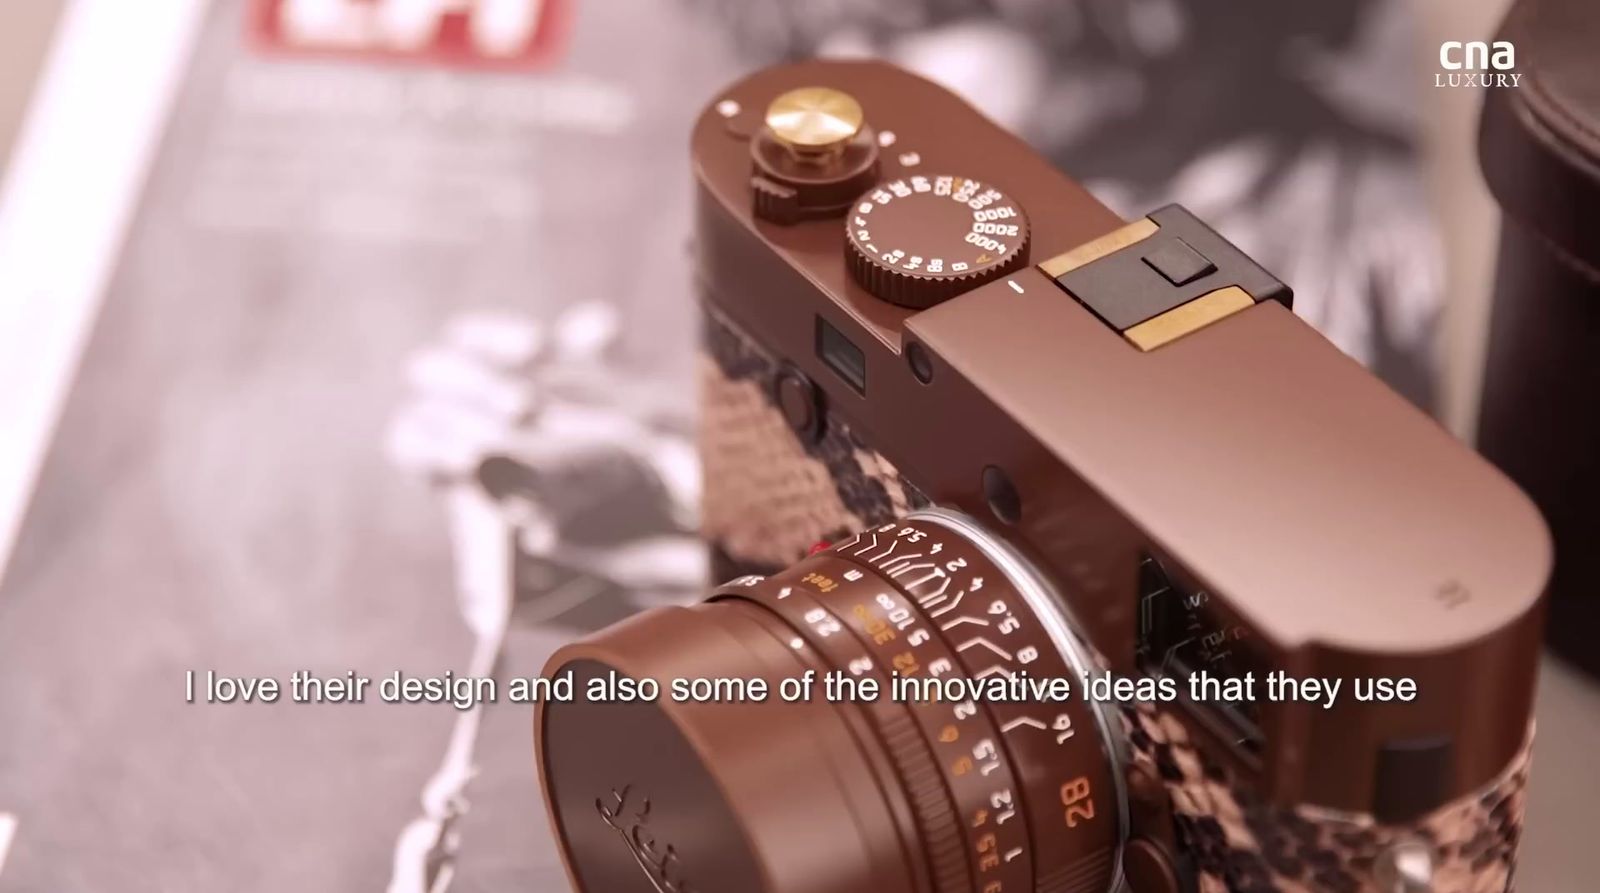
{"x": 919, "y": 240}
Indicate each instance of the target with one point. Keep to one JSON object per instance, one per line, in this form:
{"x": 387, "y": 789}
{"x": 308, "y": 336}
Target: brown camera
{"x": 978, "y": 439}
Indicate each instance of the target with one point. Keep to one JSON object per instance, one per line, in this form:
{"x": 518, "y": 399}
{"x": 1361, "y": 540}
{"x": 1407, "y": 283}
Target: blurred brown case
{"x": 1539, "y": 145}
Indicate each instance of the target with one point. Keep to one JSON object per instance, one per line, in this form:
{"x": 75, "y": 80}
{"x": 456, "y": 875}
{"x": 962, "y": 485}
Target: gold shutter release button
{"x": 815, "y": 123}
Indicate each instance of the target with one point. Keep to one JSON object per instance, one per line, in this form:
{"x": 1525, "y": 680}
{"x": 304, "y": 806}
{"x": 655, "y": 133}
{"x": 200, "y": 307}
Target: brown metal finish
{"x": 1004, "y": 796}
{"x": 713, "y": 797}
{"x": 1325, "y": 526}
{"x": 1352, "y": 534}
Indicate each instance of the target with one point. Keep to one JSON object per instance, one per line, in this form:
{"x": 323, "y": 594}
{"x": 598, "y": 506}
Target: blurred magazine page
{"x": 337, "y": 284}
{"x": 392, "y": 371}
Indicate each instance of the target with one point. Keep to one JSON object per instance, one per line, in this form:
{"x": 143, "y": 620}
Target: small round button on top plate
{"x": 918, "y": 240}
{"x": 815, "y": 120}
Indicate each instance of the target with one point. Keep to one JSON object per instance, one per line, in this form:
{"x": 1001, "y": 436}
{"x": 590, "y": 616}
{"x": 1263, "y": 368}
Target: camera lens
{"x": 887, "y": 714}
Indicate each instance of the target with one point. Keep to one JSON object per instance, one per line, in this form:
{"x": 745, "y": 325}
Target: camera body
{"x": 986, "y": 428}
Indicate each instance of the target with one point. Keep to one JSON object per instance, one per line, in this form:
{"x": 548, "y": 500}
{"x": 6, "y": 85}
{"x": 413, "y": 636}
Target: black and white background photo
{"x": 391, "y": 371}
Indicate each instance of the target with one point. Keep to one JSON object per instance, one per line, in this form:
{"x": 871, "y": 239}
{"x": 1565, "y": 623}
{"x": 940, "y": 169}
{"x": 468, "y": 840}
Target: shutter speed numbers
{"x": 915, "y": 225}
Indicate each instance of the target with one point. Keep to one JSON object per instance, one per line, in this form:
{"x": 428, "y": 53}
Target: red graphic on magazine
{"x": 460, "y": 33}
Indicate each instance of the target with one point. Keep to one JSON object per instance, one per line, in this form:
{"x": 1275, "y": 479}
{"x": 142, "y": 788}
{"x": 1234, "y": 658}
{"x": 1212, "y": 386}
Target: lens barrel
{"x": 965, "y": 774}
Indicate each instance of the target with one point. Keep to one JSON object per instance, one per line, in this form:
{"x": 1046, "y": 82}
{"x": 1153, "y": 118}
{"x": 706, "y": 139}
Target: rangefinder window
{"x": 842, "y": 355}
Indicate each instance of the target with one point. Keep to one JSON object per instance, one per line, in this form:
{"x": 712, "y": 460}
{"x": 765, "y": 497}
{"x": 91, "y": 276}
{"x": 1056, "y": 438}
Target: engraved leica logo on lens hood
{"x": 630, "y": 819}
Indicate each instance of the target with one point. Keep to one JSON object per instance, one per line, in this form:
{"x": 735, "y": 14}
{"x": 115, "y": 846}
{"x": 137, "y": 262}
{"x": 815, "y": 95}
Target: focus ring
{"x": 963, "y": 737}
{"x": 926, "y": 790}
{"x": 908, "y": 750}
{"x": 1068, "y": 788}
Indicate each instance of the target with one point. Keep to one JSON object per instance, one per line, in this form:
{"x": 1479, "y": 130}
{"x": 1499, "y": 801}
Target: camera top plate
{"x": 1351, "y": 533}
